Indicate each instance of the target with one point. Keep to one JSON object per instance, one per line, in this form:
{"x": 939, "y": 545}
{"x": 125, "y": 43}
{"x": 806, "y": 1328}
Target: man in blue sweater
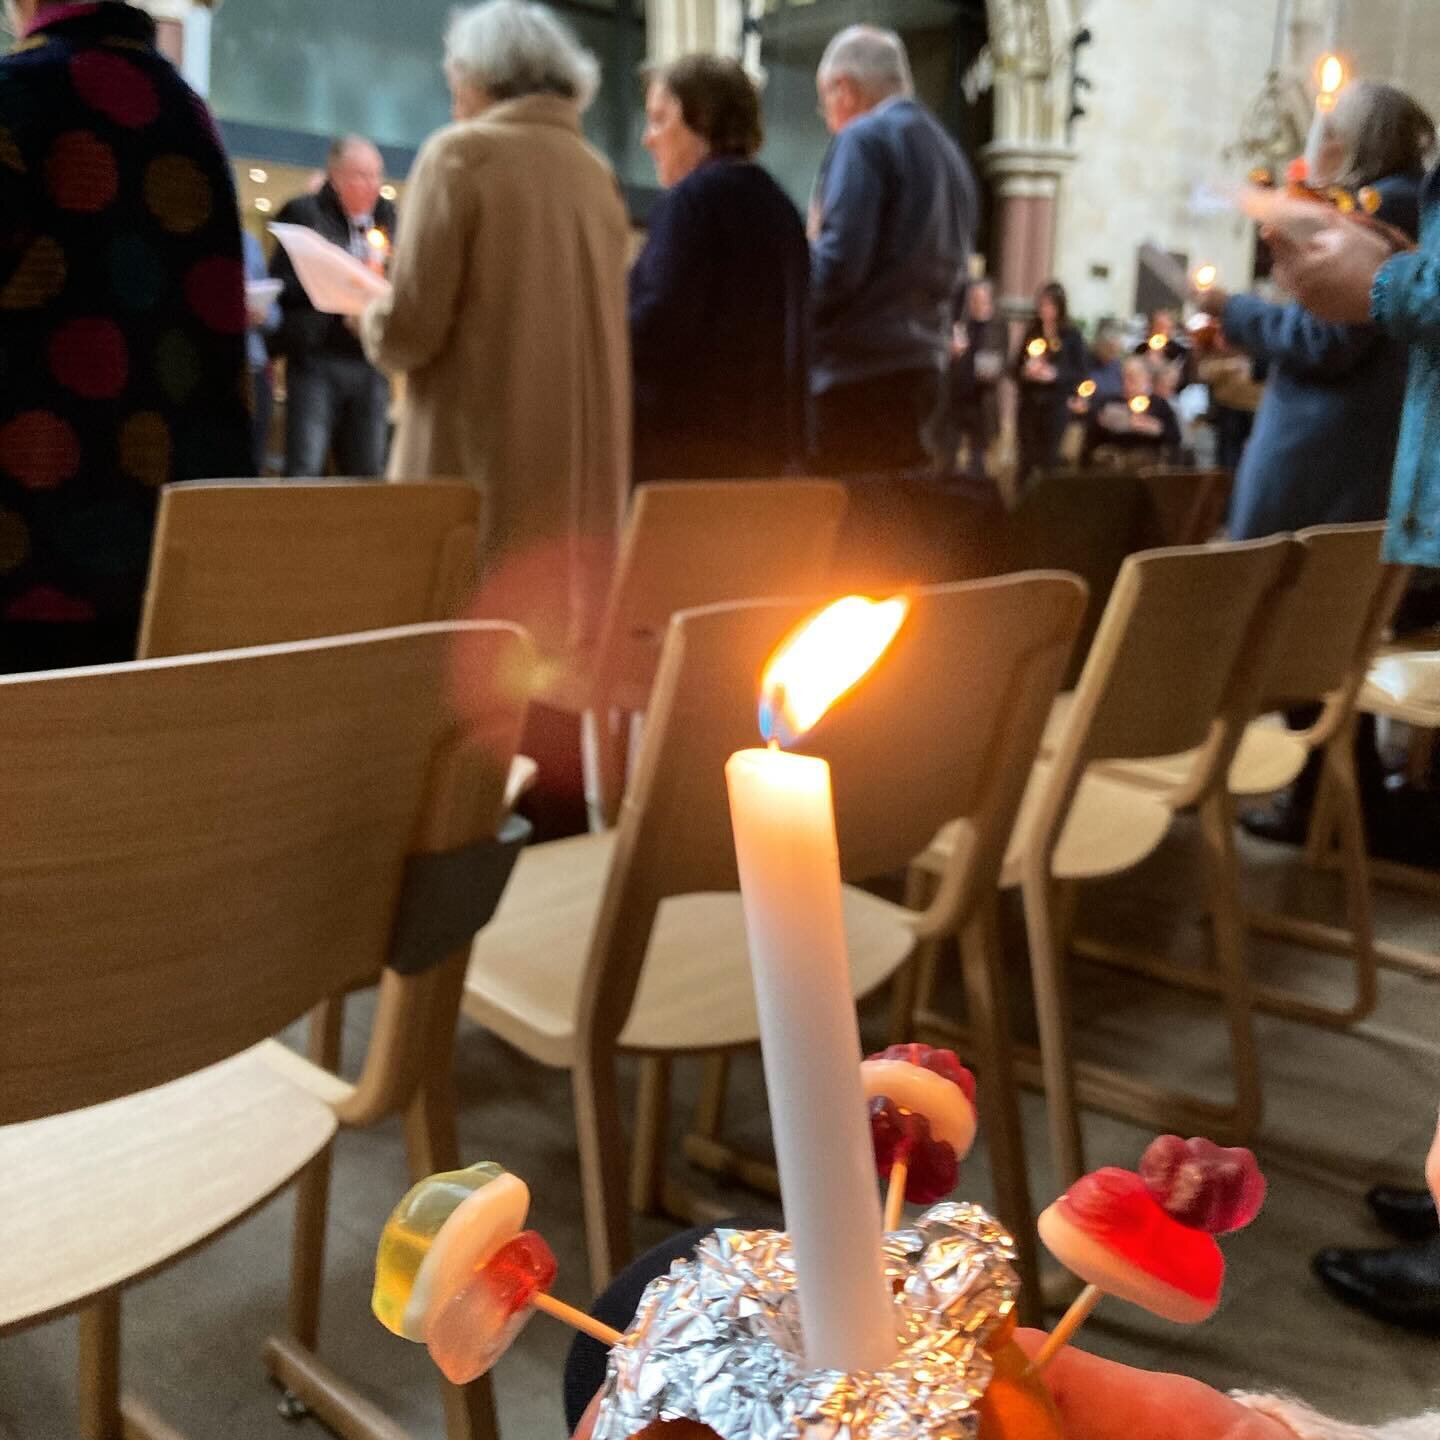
{"x": 894, "y": 222}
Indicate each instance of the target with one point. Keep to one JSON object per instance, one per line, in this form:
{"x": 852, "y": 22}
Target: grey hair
{"x": 510, "y": 48}
{"x": 874, "y": 59}
{"x": 1382, "y": 132}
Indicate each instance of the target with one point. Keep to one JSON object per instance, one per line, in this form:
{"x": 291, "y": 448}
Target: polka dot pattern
{"x": 14, "y": 541}
{"x": 39, "y": 449}
{"x": 48, "y": 604}
{"x": 145, "y": 450}
{"x": 178, "y": 195}
{"x": 89, "y": 356}
{"x": 116, "y": 87}
{"x": 81, "y": 173}
{"x": 38, "y": 278}
{"x": 215, "y": 291}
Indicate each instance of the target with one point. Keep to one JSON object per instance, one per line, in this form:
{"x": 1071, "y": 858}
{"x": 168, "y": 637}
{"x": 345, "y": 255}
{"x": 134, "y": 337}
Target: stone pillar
{"x": 687, "y": 27}
{"x": 1026, "y": 179}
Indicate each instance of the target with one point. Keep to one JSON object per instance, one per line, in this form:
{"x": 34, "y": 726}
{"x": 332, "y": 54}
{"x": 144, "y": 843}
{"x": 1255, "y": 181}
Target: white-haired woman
{"x": 508, "y": 317}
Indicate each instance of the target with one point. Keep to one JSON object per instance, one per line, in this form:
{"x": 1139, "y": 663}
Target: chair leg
{"x": 1045, "y": 917}
{"x": 905, "y": 989}
{"x": 647, "y": 1172}
{"x": 327, "y": 1028}
{"x": 1217, "y": 826}
{"x": 100, "y": 1417}
{"x": 982, "y": 965}
{"x": 1354, "y": 861}
{"x": 605, "y": 761}
{"x": 602, "y": 1166}
{"x": 714, "y": 1093}
{"x": 307, "y": 1253}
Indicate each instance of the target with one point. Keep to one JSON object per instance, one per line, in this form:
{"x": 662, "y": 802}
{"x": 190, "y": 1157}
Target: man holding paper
{"x": 337, "y": 400}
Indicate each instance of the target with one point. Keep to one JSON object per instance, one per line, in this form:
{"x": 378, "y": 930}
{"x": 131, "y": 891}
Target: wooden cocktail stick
{"x": 895, "y": 1198}
{"x": 1064, "y": 1332}
{"x": 577, "y": 1319}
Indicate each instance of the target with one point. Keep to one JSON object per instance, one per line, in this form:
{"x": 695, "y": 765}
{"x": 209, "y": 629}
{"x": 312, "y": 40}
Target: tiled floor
{"x": 194, "y": 1335}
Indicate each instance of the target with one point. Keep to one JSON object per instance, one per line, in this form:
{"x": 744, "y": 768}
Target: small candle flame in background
{"x": 1332, "y": 81}
{"x": 1036, "y": 348}
{"x": 1158, "y": 342}
{"x": 1206, "y": 276}
{"x": 822, "y": 659}
{"x": 379, "y": 243}
{"x": 1140, "y": 404}
{"x": 1087, "y": 389}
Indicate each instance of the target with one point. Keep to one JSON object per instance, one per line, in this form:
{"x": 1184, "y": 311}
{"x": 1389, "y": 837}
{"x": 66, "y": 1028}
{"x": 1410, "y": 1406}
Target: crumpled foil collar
{"x": 718, "y": 1341}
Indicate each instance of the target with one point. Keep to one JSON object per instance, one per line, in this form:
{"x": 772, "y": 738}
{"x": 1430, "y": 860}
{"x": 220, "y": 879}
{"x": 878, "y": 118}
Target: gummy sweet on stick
{"x": 1149, "y": 1238}
{"x": 456, "y": 1270}
{"x": 922, "y": 1123}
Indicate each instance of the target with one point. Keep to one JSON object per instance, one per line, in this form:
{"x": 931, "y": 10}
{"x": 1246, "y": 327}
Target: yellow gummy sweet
{"x": 411, "y": 1230}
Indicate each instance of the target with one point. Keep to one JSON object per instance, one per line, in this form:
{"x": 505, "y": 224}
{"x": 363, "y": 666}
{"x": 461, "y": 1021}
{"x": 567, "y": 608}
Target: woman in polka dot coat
{"x": 122, "y": 323}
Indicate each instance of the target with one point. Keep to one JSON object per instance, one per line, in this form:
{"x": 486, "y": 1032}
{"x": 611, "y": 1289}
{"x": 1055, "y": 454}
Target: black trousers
{"x": 335, "y": 404}
{"x": 887, "y": 425}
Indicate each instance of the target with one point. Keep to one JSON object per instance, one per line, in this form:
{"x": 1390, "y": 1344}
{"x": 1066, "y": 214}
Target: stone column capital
{"x": 1021, "y": 168}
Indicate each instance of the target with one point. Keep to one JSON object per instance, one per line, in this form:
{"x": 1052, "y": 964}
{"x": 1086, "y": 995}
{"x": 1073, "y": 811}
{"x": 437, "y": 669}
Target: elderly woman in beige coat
{"x": 508, "y": 318}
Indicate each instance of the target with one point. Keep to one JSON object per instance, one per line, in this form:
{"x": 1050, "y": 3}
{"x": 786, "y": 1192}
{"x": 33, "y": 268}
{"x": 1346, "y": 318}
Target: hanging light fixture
{"x": 1276, "y": 121}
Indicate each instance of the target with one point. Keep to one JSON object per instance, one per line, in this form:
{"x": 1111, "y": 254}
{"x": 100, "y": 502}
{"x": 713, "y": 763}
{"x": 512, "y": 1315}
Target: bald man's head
{"x": 357, "y": 172}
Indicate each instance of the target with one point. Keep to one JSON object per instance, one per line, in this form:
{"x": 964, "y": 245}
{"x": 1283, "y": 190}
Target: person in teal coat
{"x": 1351, "y": 273}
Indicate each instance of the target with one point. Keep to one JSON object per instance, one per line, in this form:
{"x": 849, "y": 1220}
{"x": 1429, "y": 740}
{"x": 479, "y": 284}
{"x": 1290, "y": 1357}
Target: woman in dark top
{"x": 1049, "y": 369}
{"x": 122, "y": 323}
{"x": 719, "y": 296}
{"x": 1136, "y": 427}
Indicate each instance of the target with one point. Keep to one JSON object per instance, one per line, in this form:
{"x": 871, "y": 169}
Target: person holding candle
{"x": 977, "y": 365}
{"x": 1049, "y": 367}
{"x": 1137, "y": 426}
{"x": 1323, "y": 447}
{"x": 337, "y": 403}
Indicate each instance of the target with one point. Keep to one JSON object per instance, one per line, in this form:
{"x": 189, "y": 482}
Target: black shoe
{"x": 1406, "y": 1214}
{"x": 1401, "y": 1287}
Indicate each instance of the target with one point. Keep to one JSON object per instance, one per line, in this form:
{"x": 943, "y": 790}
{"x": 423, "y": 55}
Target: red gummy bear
{"x": 902, "y": 1135}
{"x": 1204, "y": 1185}
{"x": 945, "y": 1063}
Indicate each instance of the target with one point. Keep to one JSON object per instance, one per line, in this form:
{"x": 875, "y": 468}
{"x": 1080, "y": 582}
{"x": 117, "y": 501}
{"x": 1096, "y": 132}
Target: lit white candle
{"x": 785, "y": 843}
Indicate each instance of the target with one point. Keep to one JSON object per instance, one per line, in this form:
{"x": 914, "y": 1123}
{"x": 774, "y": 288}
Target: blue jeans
{"x": 336, "y": 405}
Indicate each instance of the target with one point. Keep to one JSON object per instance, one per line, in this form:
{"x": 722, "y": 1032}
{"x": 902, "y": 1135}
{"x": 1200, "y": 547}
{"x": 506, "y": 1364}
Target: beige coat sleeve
{"x": 411, "y": 327}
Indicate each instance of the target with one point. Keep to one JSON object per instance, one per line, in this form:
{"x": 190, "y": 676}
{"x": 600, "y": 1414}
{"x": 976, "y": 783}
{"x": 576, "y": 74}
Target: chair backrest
{"x": 267, "y": 562}
{"x": 696, "y": 543}
{"x": 194, "y": 852}
{"x": 1180, "y": 657}
{"x": 945, "y": 728}
{"x": 1188, "y": 506}
{"x": 1337, "y": 610}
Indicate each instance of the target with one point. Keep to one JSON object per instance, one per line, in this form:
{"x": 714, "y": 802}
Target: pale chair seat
{"x": 99, "y": 1198}
{"x": 1269, "y": 758}
{"x": 695, "y": 995}
{"x": 1111, "y": 828}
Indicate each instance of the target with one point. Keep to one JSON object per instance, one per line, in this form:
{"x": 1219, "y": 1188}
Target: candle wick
{"x": 774, "y": 743}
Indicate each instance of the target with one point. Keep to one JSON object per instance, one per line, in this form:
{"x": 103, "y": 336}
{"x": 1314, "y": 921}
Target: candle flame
{"x": 1206, "y": 276}
{"x": 1158, "y": 342}
{"x": 822, "y": 659}
{"x": 1332, "y": 75}
{"x": 1140, "y": 404}
{"x": 1036, "y": 348}
{"x": 1087, "y": 389}
{"x": 378, "y": 240}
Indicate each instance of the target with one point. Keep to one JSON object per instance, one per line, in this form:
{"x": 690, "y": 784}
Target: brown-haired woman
{"x": 719, "y": 296}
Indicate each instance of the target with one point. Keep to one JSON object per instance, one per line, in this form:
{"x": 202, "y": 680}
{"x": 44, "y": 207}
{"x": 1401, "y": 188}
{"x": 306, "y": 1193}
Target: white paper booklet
{"x": 336, "y": 282}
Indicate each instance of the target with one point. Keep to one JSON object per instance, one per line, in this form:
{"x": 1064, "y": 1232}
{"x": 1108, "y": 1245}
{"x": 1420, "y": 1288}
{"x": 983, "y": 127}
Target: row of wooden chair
{"x": 629, "y": 941}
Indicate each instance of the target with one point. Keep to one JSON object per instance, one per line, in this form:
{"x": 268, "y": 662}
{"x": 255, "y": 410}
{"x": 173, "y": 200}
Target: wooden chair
{"x": 260, "y": 563}
{"x": 1332, "y": 623}
{"x": 632, "y": 942}
{"x": 687, "y": 544}
{"x": 1325, "y": 845}
{"x": 1188, "y": 506}
{"x": 1177, "y": 663}
{"x": 154, "y": 936}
